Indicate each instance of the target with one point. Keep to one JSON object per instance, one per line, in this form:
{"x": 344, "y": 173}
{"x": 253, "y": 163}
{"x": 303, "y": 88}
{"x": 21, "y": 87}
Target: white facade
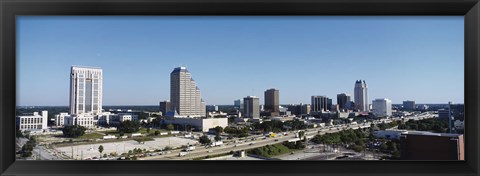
{"x": 201, "y": 124}
{"x": 60, "y": 119}
{"x": 32, "y": 122}
{"x": 85, "y": 120}
{"x": 85, "y": 90}
{"x": 107, "y": 118}
{"x": 361, "y": 96}
{"x": 382, "y": 107}
{"x": 185, "y": 96}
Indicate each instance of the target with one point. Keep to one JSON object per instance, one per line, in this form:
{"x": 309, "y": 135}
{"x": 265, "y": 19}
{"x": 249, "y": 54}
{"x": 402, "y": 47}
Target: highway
{"x": 201, "y": 151}
{"x": 248, "y": 143}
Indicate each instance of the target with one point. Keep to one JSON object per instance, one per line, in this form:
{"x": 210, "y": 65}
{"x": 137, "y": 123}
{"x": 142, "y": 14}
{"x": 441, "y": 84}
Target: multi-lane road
{"x": 258, "y": 140}
{"x": 248, "y": 143}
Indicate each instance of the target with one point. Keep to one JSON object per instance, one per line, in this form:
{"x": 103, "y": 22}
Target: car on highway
{"x": 251, "y": 143}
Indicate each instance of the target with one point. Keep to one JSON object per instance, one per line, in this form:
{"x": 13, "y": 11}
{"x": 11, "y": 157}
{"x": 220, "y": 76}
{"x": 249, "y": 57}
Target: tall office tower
{"x": 361, "y": 97}
{"x": 85, "y": 90}
{"x": 382, "y": 107}
{"x": 329, "y": 104}
{"x": 319, "y": 103}
{"x": 238, "y": 104}
{"x": 272, "y": 101}
{"x": 165, "y": 106}
{"x": 251, "y": 106}
{"x": 185, "y": 96}
{"x": 342, "y": 100}
{"x": 409, "y": 105}
{"x": 306, "y": 109}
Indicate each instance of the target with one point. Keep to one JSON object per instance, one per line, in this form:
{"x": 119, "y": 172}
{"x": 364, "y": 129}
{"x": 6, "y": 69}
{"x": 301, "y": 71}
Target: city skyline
{"x": 234, "y": 64}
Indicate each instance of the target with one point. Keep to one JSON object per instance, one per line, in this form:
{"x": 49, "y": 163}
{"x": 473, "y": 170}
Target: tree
{"x": 218, "y": 138}
{"x": 128, "y": 126}
{"x": 100, "y": 149}
{"x": 219, "y": 129}
{"x": 156, "y": 132}
{"x": 73, "y": 131}
{"x": 148, "y": 130}
{"x": 204, "y": 140}
{"x": 170, "y": 127}
{"x": 19, "y": 134}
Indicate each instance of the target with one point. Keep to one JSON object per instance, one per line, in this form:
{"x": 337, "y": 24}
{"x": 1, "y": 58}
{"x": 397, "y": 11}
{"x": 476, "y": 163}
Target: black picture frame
{"x": 9, "y": 9}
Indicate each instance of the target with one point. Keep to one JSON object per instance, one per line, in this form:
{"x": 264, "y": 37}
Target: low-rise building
{"x": 389, "y": 134}
{"x": 432, "y": 146}
{"x": 32, "y": 121}
{"x": 200, "y": 124}
{"x": 60, "y": 119}
{"x": 217, "y": 113}
{"x": 85, "y": 120}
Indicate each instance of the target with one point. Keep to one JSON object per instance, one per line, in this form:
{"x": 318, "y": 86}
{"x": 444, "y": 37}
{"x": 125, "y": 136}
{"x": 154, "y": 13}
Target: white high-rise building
{"x": 361, "y": 97}
{"x": 185, "y": 96}
{"x": 85, "y": 90}
{"x": 382, "y": 107}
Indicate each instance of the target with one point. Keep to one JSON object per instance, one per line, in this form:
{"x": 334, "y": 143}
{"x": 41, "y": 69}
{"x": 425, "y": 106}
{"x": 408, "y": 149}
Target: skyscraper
{"x": 361, "y": 97}
{"x": 165, "y": 106}
{"x": 185, "y": 96}
{"x": 382, "y": 107}
{"x": 319, "y": 103}
{"x": 409, "y": 105}
{"x": 85, "y": 90}
{"x": 342, "y": 100}
{"x": 238, "y": 104}
{"x": 251, "y": 107}
{"x": 272, "y": 101}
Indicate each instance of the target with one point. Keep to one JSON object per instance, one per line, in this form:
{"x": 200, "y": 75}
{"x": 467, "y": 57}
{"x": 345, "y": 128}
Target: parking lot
{"x": 91, "y": 150}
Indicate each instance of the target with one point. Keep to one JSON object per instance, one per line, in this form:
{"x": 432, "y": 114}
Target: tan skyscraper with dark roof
{"x": 185, "y": 96}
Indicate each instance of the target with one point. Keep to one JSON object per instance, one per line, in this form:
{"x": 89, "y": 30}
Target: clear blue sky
{"x": 401, "y": 58}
